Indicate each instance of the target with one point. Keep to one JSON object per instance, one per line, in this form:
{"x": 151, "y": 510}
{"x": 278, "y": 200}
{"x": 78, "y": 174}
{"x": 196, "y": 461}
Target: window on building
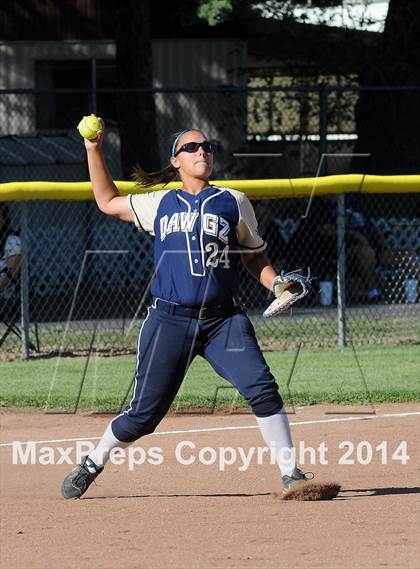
{"x": 64, "y": 110}
{"x": 283, "y": 112}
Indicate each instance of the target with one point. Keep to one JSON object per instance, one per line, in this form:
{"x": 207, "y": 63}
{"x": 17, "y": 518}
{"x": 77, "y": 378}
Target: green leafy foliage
{"x": 215, "y": 11}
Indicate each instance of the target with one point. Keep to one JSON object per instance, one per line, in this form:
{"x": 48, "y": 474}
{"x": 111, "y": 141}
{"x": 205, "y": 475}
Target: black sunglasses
{"x": 194, "y": 146}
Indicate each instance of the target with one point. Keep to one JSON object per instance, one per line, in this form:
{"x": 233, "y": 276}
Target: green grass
{"x": 311, "y": 331}
{"x": 390, "y": 373}
{"x": 314, "y": 332}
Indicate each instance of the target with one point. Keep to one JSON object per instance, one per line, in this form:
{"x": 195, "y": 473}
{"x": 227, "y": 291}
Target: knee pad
{"x": 267, "y": 405}
{"x": 127, "y": 429}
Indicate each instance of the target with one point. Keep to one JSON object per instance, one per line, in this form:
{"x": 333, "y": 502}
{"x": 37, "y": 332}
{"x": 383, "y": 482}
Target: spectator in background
{"x": 269, "y": 231}
{"x": 314, "y": 243}
{"x": 10, "y": 251}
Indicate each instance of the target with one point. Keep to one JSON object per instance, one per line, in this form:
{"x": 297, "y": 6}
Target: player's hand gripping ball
{"x": 89, "y": 126}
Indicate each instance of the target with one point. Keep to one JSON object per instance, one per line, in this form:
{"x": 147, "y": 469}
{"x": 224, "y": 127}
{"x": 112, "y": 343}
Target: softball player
{"x": 201, "y": 232}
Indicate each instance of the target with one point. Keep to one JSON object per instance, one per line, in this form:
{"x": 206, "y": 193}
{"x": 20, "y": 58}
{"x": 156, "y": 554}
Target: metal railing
{"x": 87, "y": 275}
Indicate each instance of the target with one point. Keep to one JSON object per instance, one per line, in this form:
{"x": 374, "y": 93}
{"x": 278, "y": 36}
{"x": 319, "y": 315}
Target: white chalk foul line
{"x": 214, "y": 429}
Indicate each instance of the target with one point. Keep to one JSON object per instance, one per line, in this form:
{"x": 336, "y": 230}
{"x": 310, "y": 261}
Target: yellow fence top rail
{"x": 254, "y": 189}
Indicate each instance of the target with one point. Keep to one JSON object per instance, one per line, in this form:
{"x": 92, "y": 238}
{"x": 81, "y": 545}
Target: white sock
{"x": 276, "y": 434}
{"x": 100, "y": 454}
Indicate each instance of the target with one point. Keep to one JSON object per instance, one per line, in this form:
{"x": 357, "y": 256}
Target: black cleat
{"x": 80, "y": 478}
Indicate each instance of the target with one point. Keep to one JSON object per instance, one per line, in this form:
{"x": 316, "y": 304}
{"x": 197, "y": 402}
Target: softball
{"x": 88, "y": 127}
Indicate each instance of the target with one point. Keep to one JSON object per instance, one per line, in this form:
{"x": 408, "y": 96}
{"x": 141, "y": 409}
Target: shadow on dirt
{"x": 367, "y": 492}
{"x": 221, "y": 495}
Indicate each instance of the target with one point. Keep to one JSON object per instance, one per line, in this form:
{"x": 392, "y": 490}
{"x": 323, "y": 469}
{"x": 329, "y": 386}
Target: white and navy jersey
{"x": 197, "y": 241}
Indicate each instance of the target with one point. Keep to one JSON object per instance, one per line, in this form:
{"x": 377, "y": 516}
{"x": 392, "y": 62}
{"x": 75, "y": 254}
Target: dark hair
{"x": 5, "y": 227}
{"x": 147, "y": 179}
{"x": 165, "y": 175}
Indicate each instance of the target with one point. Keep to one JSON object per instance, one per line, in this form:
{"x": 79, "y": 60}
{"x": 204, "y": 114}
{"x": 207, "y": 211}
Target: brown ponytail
{"x": 148, "y": 179}
{"x": 164, "y": 176}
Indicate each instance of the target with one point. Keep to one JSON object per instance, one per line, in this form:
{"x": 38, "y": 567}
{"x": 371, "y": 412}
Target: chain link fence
{"x": 88, "y": 276}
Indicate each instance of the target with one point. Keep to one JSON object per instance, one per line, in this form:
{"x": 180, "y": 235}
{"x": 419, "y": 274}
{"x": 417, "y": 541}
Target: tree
{"x": 216, "y": 11}
{"x": 388, "y": 122}
{"x": 136, "y": 120}
{"x": 135, "y": 21}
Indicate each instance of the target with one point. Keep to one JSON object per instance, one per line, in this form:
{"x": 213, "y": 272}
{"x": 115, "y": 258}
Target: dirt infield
{"x": 200, "y": 516}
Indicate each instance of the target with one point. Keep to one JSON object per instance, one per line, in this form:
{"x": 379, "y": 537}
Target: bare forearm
{"x": 103, "y": 185}
{"x": 105, "y": 191}
{"x": 260, "y": 268}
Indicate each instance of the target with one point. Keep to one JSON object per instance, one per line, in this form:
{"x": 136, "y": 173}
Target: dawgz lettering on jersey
{"x": 197, "y": 238}
{"x": 184, "y": 222}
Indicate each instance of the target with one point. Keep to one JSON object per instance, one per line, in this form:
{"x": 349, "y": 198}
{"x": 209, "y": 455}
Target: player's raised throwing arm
{"x": 106, "y": 192}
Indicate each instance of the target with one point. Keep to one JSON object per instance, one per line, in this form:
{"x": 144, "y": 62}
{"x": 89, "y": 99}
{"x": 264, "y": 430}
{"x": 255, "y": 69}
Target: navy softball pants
{"x": 167, "y": 345}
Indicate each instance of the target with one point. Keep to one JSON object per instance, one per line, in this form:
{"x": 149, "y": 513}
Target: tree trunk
{"x": 388, "y": 122}
{"x": 136, "y": 112}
